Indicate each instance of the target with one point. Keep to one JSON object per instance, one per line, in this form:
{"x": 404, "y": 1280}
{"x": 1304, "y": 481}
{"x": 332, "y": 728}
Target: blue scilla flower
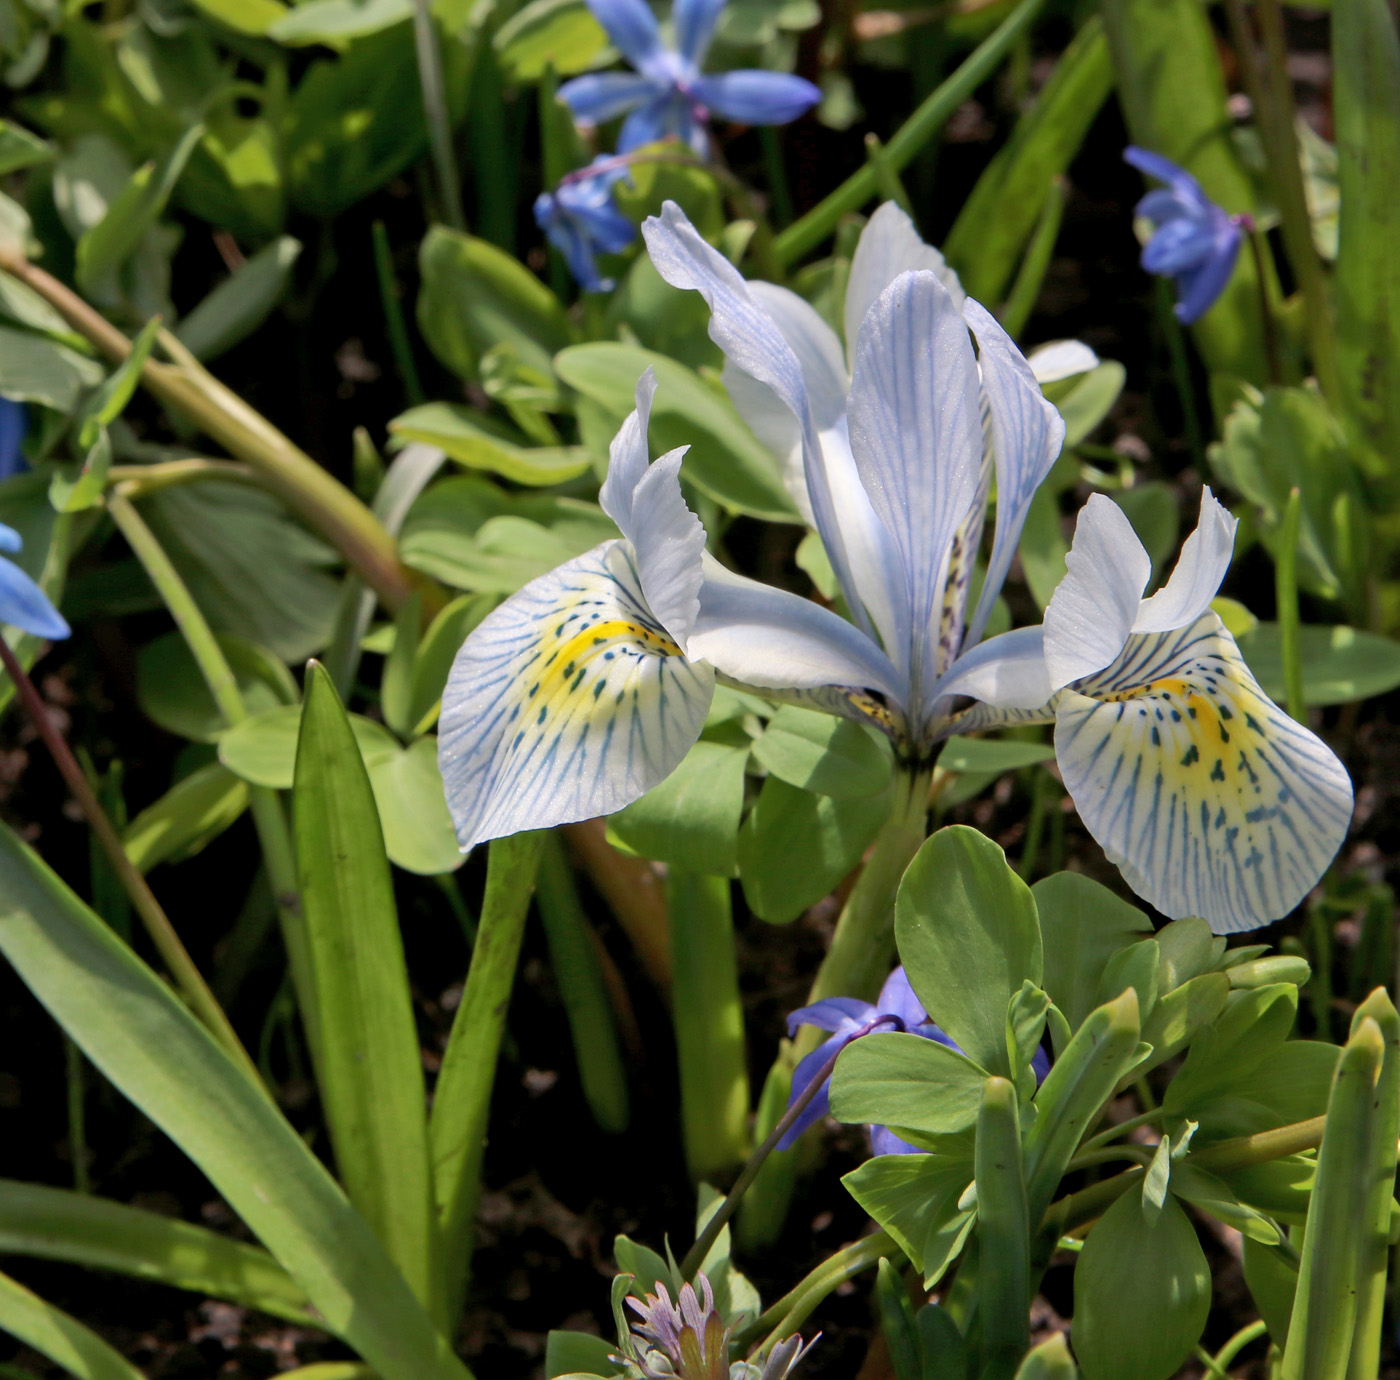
{"x": 1195, "y": 242}
{"x": 666, "y": 94}
{"x": 14, "y": 422}
{"x": 22, "y": 603}
{"x": 581, "y": 220}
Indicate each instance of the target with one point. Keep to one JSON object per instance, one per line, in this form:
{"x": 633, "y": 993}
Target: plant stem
{"x": 434, "y": 88}
{"x": 187, "y": 387}
{"x": 136, "y": 481}
{"x": 1259, "y": 250}
{"x": 912, "y": 135}
{"x": 798, "y": 1304}
{"x": 462, "y": 1098}
{"x": 1286, "y": 589}
{"x": 394, "y": 322}
{"x": 173, "y": 953}
{"x": 77, "y": 1119}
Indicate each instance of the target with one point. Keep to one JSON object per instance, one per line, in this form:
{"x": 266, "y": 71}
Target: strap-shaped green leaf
{"x": 64, "y": 1340}
{"x": 1003, "y": 1229}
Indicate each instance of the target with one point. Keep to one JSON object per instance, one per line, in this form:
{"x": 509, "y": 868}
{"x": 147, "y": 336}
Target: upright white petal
{"x": 1007, "y": 672}
{"x": 1061, "y": 359}
{"x": 818, "y": 351}
{"x": 889, "y": 245}
{"x": 628, "y": 457}
{"x": 747, "y": 334}
{"x": 669, "y": 542}
{"x": 1093, "y": 610}
{"x": 917, "y": 437}
{"x": 567, "y": 701}
{"x": 1027, "y": 433}
{"x": 1205, "y": 557}
{"x": 1211, "y": 800}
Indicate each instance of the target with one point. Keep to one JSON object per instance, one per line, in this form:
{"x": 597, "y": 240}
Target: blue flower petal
{"x": 831, "y": 1013}
{"x": 756, "y": 98}
{"x": 10, "y": 540}
{"x": 897, "y": 999}
{"x": 26, "y": 606}
{"x": 632, "y": 28}
{"x": 1177, "y": 246}
{"x": 669, "y": 116}
{"x": 1164, "y": 170}
{"x": 802, "y": 1077}
{"x": 1200, "y": 288}
{"x": 695, "y": 27}
{"x": 602, "y": 96}
{"x": 14, "y": 422}
{"x": 883, "y": 1141}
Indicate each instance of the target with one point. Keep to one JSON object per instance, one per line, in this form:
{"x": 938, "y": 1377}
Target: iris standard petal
{"x": 1093, "y": 610}
{"x": 600, "y": 96}
{"x": 888, "y": 246}
{"x": 748, "y": 336}
{"x": 916, "y": 434}
{"x": 1164, "y": 170}
{"x": 568, "y": 701}
{"x": 831, "y": 1014}
{"x": 1205, "y": 557}
{"x": 756, "y": 97}
{"x": 1200, "y": 287}
{"x": 1027, "y": 434}
{"x": 818, "y": 351}
{"x": 695, "y": 22}
{"x": 1209, "y": 798}
{"x": 669, "y": 543}
{"x": 771, "y": 639}
{"x": 1007, "y": 672}
{"x": 1061, "y": 359}
{"x": 632, "y": 27}
{"x": 25, "y": 606}
{"x": 628, "y": 457}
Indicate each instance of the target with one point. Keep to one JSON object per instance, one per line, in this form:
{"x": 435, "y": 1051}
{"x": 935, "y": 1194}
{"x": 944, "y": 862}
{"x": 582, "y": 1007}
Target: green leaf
{"x": 986, "y": 241}
{"x": 1083, "y": 925}
{"x": 691, "y": 819}
{"x": 235, "y": 178}
{"x": 1135, "y": 967}
{"x": 1203, "y": 1190}
{"x": 1178, "y": 1016}
{"x": 369, "y": 1073}
{"x": 1188, "y": 949}
{"x": 418, "y": 830}
{"x": 144, "y": 1041}
{"x": 725, "y": 461}
{"x": 942, "y": 1346}
{"x": 795, "y": 847}
{"x": 34, "y": 369}
{"x": 561, "y": 35}
{"x": 20, "y": 149}
{"x": 968, "y": 937}
{"x": 824, "y": 755}
{"x": 1141, "y": 1293}
{"x": 436, "y": 652}
{"x": 476, "y": 440}
{"x": 906, "y": 1081}
{"x": 242, "y": 302}
{"x": 1288, "y": 1085}
{"x": 396, "y": 684}
{"x": 1157, "y": 1180}
{"x": 173, "y": 693}
{"x": 243, "y": 16}
{"x": 578, "y": 1353}
{"x": 335, "y": 22}
{"x": 1340, "y": 665}
{"x": 912, "y": 1196}
{"x": 1272, "y": 1278}
{"x": 1085, "y": 400}
{"x": 992, "y": 754}
{"x": 1049, "y": 1361}
{"x": 110, "y": 242}
{"x": 263, "y": 748}
{"x": 193, "y": 811}
{"x": 475, "y": 296}
{"x": 897, "y": 1323}
{"x": 64, "y": 1340}
{"x": 1003, "y": 1232}
{"x": 53, "y": 1224}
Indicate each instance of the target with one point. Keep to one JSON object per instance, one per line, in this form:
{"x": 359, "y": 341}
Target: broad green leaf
{"x": 668, "y": 320}
{"x": 991, "y": 230}
{"x": 1288, "y": 1085}
{"x": 418, "y": 832}
{"x": 235, "y": 178}
{"x": 243, "y": 16}
{"x": 1366, "y": 109}
{"x": 1203, "y": 1190}
{"x": 561, "y": 35}
{"x": 992, "y": 754}
{"x": 911, "y": 1196}
{"x": 968, "y": 938}
{"x": 690, "y": 820}
{"x": 64, "y": 1340}
{"x": 193, "y": 811}
{"x": 655, "y": 181}
{"x": 439, "y": 647}
{"x": 725, "y": 461}
{"x": 335, "y": 22}
{"x": 474, "y": 439}
{"x": 1340, "y": 665}
{"x": 35, "y": 369}
{"x": 20, "y": 149}
{"x": 1188, "y": 949}
{"x": 822, "y": 754}
{"x": 369, "y": 1073}
{"x": 144, "y": 1041}
{"x": 1083, "y": 925}
{"x": 263, "y": 748}
{"x": 795, "y": 847}
{"x": 108, "y": 244}
{"x": 1043, "y": 546}
{"x": 578, "y": 1353}
{"x": 173, "y": 693}
{"x": 1134, "y": 966}
{"x": 906, "y": 1081}
{"x": 1049, "y": 1361}
{"x": 942, "y": 1345}
{"x": 1085, "y": 400}
{"x": 644, "y": 1265}
{"x": 1141, "y": 1293}
{"x": 82, "y": 1229}
{"x": 1182, "y": 1012}
{"x": 475, "y": 296}
{"x": 242, "y": 302}
{"x": 897, "y": 1323}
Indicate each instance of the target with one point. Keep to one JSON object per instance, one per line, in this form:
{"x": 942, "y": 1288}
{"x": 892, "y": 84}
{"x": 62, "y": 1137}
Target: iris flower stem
{"x": 808, "y": 232}
{"x": 462, "y": 1098}
{"x": 1286, "y": 590}
{"x": 190, "y": 389}
{"x": 168, "y": 944}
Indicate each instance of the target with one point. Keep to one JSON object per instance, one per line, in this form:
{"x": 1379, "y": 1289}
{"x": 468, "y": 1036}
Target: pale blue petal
{"x": 668, "y": 116}
{"x": 669, "y": 542}
{"x": 756, "y": 98}
{"x": 1093, "y": 610}
{"x": 568, "y": 701}
{"x": 1208, "y": 797}
{"x": 600, "y": 96}
{"x": 897, "y": 999}
{"x": 749, "y": 337}
{"x": 1177, "y": 246}
{"x": 1164, "y": 170}
{"x": 628, "y": 458}
{"x": 1200, "y": 287}
{"x": 25, "y": 606}
{"x": 695, "y": 26}
{"x": 10, "y": 540}
{"x": 832, "y": 1014}
{"x": 917, "y": 438}
{"x": 1205, "y": 557}
{"x": 1008, "y": 672}
{"x": 632, "y": 27}
{"x": 14, "y": 422}
{"x": 1027, "y": 434}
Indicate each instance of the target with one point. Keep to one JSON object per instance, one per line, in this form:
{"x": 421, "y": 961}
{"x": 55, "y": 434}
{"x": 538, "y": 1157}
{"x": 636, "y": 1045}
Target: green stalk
{"x": 274, "y": 837}
{"x": 1289, "y": 627}
{"x": 77, "y": 1116}
{"x": 462, "y": 1098}
{"x": 434, "y": 88}
{"x": 709, "y": 1025}
{"x": 1003, "y": 1226}
{"x": 912, "y": 135}
{"x": 886, "y": 178}
{"x": 394, "y": 322}
{"x": 1025, "y": 290}
{"x": 777, "y": 174}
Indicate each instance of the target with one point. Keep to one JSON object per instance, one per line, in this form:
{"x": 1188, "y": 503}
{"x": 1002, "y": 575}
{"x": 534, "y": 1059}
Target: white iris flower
{"x": 589, "y": 686}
